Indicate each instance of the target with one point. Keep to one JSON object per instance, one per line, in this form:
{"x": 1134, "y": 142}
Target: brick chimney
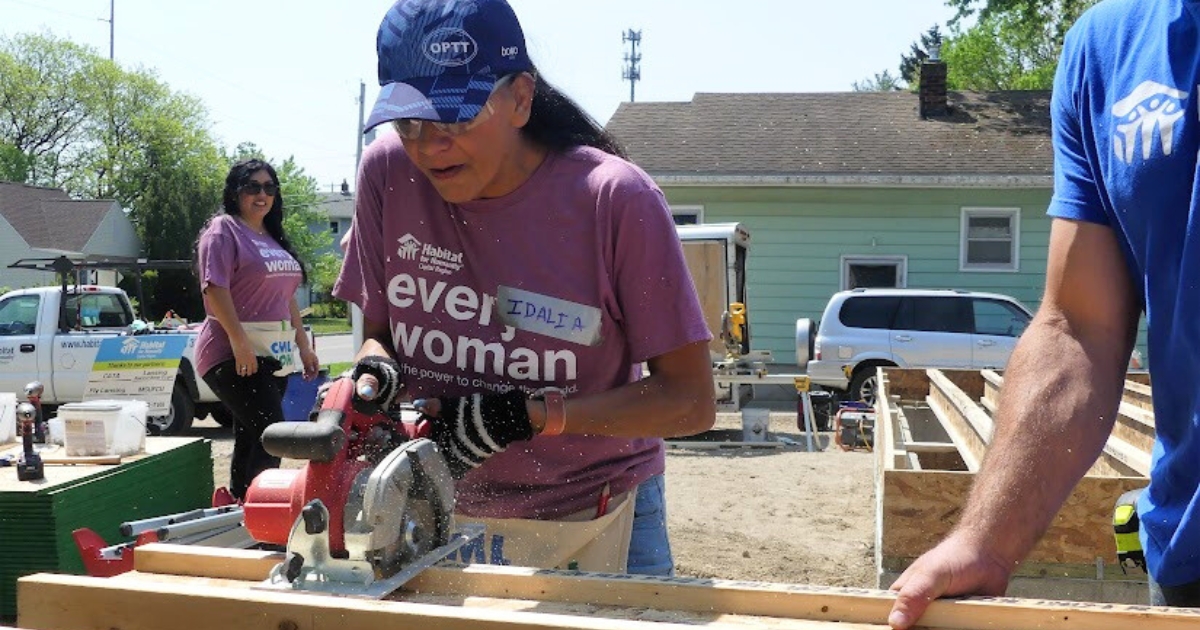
{"x": 932, "y": 89}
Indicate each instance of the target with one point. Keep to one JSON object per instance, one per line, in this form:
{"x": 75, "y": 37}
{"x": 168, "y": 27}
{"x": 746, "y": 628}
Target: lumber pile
{"x": 212, "y": 588}
{"x": 37, "y": 517}
{"x": 932, "y": 429}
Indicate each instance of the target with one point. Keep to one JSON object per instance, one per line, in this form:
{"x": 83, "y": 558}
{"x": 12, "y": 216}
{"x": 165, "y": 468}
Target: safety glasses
{"x": 253, "y": 188}
{"x": 410, "y": 128}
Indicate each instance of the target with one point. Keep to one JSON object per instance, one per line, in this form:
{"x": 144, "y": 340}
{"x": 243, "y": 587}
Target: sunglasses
{"x": 253, "y": 188}
{"x": 410, "y": 128}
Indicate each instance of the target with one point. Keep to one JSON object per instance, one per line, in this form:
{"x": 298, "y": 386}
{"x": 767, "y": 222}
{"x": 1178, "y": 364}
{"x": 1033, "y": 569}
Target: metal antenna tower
{"x": 632, "y": 72}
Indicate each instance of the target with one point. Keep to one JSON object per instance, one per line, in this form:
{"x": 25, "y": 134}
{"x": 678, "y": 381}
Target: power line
{"x": 632, "y": 72}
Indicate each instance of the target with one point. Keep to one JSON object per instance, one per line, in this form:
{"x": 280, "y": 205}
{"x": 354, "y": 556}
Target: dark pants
{"x": 256, "y": 402}
{"x": 1186, "y": 595}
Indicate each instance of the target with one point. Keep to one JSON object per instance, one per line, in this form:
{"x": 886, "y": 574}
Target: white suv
{"x": 862, "y": 329}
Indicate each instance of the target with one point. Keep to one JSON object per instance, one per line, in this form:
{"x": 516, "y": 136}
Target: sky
{"x": 286, "y": 74}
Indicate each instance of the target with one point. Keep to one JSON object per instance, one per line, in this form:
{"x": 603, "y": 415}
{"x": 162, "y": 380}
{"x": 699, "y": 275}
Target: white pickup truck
{"x": 43, "y": 338}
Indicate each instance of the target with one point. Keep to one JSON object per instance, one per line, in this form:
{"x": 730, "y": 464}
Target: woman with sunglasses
{"x": 514, "y": 272}
{"x": 249, "y": 274}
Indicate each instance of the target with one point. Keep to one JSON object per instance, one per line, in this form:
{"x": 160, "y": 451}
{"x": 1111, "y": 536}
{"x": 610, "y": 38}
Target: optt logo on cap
{"x": 450, "y": 47}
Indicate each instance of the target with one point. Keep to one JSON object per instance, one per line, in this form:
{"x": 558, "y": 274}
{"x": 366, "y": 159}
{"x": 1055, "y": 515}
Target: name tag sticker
{"x": 545, "y": 315}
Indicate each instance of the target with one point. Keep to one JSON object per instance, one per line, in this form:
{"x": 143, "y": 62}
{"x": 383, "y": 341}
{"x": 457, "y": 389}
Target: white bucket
{"x": 8, "y": 418}
{"x": 104, "y": 427}
{"x": 756, "y": 425}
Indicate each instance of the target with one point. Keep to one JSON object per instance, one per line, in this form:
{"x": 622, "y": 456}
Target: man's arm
{"x": 1061, "y": 390}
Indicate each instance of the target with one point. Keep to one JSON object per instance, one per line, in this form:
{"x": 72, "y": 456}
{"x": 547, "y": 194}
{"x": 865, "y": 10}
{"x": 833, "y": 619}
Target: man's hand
{"x": 957, "y": 566}
{"x": 471, "y": 429}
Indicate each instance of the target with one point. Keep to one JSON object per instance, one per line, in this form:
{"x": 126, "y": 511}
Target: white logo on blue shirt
{"x": 1148, "y": 107}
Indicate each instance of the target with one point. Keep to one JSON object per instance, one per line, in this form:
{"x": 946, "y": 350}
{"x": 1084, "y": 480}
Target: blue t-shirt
{"x": 1126, "y": 136}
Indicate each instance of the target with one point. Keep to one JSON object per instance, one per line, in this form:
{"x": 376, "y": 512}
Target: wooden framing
{"x": 945, "y": 419}
{"x": 210, "y": 588}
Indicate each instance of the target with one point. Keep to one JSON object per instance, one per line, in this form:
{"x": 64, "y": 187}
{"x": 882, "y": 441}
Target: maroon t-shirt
{"x": 570, "y": 281}
{"x": 260, "y": 275}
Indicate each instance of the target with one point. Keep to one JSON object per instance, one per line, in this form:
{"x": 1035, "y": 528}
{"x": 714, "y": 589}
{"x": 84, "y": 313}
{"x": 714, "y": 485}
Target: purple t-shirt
{"x": 570, "y": 281}
{"x": 260, "y": 275}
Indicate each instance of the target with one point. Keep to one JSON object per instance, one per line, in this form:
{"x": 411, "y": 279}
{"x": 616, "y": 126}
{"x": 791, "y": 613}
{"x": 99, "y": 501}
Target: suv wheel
{"x": 864, "y": 385}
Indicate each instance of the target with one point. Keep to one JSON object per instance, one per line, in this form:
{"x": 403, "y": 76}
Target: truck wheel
{"x": 179, "y": 416}
{"x": 221, "y": 414}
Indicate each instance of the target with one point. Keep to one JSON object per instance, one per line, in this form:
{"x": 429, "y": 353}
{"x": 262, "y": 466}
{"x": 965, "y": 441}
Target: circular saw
{"x": 371, "y": 508}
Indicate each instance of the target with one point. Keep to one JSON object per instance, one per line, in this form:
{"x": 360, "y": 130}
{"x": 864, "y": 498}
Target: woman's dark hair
{"x": 559, "y": 123}
{"x": 239, "y": 175}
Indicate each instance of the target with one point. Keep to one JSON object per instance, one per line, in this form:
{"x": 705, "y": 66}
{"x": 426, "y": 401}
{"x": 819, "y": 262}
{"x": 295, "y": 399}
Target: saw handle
{"x": 317, "y": 441}
{"x": 313, "y": 441}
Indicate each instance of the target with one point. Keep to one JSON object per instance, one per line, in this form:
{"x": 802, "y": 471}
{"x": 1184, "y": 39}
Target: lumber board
{"x": 969, "y": 382}
{"x": 969, "y": 446}
{"x": 1138, "y": 394}
{"x": 706, "y": 264}
{"x": 948, "y": 385}
{"x": 1135, "y": 425}
{"x": 486, "y": 597}
{"x": 908, "y": 384}
{"x": 920, "y": 507}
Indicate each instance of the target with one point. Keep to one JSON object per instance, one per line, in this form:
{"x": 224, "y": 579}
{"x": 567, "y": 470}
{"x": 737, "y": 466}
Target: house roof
{"x": 47, "y": 218}
{"x": 829, "y": 135}
{"x": 337, "y": 205}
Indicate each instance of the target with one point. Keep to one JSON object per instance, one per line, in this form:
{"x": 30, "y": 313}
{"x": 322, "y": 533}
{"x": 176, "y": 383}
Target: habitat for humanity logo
{"x": 450, "y": 47}
{"x": 409, "y": 246}
{"x": 1148, "y": 107}
{"x": 133, "y": 346}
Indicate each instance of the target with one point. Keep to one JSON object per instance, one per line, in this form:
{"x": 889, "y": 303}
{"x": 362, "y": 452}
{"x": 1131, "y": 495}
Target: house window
{"x": 334, "y": 227}
{"x": 990, "y": 239}
{"x": 860, "y": 272}
{"x": 688, "y": 215}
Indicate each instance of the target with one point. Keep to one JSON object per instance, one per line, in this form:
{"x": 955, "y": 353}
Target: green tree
{"x": 14, "y": 165}
{"x": 98, "y": 131}
{"x": 1003, "y": 51}
{"x": 1056, "y": 15}
{"x": 919, "y": 51}
{"x": 47, "y": 88}
{"x": 882, "y": 82}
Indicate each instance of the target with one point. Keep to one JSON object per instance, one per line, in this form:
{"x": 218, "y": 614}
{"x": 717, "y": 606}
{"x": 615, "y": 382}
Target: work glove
{"x": 471, "y": 429}
{"x": 382, "y": 385}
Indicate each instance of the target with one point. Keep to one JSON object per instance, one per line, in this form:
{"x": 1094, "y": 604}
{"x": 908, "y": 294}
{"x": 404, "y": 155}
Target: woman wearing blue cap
{"x": 514, "y": 271}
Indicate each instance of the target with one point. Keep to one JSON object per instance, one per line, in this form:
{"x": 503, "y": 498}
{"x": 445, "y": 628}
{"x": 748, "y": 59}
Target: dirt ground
{"x": 778, "y": 515}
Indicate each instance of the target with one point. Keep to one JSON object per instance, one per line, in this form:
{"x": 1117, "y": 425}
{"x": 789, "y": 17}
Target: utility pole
{"x": 112, "y": 13}
{"x": 632, "y": 72}
{"x": 362, "y": 103}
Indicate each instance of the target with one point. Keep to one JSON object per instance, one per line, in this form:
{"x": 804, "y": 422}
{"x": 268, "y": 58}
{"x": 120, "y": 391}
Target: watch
{"x": 556, "y": 409}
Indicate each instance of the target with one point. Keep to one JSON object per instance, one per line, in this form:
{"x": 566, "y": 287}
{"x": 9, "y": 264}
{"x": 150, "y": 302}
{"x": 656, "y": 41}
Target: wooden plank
{"x": 1135, "y": 425}
{"x": 947, "y": 385}
{"x": 1139, "y": 395}
{"x": 970, "y": 382}
{"x": 706, "y": 263}
{"x": 930, "y": 447}
{"x": 907, "y": 383}
{"x": 485, "y": 597}
{"x": 920, "y": 507}
{"x": 969, "y": 446}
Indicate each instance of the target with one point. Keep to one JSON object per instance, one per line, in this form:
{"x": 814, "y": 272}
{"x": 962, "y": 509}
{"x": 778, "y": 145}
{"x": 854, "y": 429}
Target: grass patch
{"x": 337, "y": 368}
{"x": 323, "y": 325}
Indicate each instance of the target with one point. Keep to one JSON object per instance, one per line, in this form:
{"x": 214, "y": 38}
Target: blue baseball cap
{"x": 440, "y": 59}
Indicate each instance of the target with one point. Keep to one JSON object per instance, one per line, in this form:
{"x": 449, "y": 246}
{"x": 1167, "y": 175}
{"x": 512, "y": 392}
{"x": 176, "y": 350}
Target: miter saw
{"x": 373, "y": 506}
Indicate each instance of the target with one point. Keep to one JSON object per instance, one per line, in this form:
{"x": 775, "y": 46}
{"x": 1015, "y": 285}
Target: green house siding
{"x": 798, "y": 237}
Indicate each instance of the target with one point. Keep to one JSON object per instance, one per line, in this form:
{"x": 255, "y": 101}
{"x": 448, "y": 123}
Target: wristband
{"x": 556, "y": 410}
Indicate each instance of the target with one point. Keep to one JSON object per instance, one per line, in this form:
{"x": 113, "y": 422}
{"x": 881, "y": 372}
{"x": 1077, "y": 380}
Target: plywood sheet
{"x": 706, "y": 263}
{"x": 918, "y": 508}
